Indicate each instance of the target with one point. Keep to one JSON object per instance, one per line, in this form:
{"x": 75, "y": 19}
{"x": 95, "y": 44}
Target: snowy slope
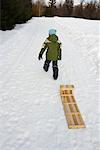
{"x": 31, "y": 113}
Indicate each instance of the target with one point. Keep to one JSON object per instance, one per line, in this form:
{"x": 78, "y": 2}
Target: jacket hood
{"x": 53, "y": 38}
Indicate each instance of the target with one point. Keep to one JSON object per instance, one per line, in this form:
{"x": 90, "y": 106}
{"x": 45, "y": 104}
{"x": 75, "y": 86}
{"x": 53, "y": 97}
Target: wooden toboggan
{"x": 72, "y": 113}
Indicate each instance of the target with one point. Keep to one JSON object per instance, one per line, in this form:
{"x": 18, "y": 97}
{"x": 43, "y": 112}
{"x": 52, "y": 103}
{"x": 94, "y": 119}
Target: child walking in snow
{"x": 52, "y": 45}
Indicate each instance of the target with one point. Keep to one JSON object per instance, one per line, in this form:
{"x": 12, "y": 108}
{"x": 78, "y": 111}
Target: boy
{"x": 52, "y": 45}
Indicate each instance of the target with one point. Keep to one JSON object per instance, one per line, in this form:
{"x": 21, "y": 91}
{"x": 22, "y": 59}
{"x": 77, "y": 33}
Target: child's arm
{"x": 44, "y": 46}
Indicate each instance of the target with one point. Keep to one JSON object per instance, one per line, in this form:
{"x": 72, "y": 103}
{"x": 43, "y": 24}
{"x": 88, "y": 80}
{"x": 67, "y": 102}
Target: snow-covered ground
{"x": 31, "y": 112}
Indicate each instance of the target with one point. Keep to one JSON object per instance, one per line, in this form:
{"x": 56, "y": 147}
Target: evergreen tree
{"x": 14, "y": 11}
{"x": 24, "y": 10}
{"x": 7, "y": 14}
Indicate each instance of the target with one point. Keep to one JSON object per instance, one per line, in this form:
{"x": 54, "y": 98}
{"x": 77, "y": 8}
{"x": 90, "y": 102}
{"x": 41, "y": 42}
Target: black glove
{"x": 40, "y": 56}
{"x": 59, "y": 57}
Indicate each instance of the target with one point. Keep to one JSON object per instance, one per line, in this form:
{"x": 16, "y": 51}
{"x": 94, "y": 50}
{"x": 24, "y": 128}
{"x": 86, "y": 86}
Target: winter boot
{"x": 46, "y": 65}
{"x": 55, "y": 72}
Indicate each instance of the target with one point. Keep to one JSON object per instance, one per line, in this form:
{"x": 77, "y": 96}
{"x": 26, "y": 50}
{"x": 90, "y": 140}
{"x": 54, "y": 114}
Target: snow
{"x": 31, "y": 112}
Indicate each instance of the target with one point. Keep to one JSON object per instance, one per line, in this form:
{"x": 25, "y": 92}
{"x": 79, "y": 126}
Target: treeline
{"x": 13, "y": 12}
{"x": 19, "y": 11}
{"x": 88, "y": 10}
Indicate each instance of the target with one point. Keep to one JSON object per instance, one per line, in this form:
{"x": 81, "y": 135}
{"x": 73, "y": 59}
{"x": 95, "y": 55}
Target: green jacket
{"x": 53, "y": 48}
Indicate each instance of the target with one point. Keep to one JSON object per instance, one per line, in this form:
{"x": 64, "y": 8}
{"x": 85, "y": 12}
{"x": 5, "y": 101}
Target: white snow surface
{"x": 31, "y": 112}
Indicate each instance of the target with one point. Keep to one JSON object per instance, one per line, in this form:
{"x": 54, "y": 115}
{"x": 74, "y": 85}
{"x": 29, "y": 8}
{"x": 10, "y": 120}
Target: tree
{"x": 52, "y": 3}
{"x": 24, "y": 10}
{"x": 68, "y": 7}
{"x": 79, "y": 10}
{"x": 51, "y": 10}
{"x": 7, "y": 14}
{"x": 98, "y": 11}
{"x": 90, "y": 10}
{"x": 60, "y": 10}
{"x": 38, "y": 8}
{"x": 14, "y": 11}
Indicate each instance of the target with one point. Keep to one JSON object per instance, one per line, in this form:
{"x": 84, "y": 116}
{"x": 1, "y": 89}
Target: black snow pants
{"x": 54, "y": 66}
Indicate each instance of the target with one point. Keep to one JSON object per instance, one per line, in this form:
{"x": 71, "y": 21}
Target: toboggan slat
{"x": 72, "y": 113}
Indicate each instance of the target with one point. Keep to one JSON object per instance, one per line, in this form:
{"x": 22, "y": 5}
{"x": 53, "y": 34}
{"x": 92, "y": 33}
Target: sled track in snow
{"x": 19, "y": 57}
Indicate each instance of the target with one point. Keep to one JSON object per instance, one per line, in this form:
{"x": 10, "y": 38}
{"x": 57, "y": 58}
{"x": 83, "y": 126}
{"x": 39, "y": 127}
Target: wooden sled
{"x": 70, "y": 107}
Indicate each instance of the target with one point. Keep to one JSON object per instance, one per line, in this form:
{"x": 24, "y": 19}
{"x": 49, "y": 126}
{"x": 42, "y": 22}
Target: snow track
{"x": 31, "y": 113}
